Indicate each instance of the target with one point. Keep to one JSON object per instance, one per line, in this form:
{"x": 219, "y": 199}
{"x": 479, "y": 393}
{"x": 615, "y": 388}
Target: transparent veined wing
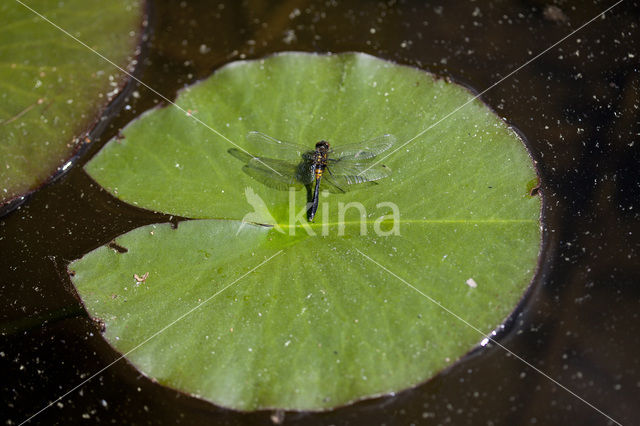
{"x": 340, "y": 184}
{"x": 363, "y": 150}
{"x": 351, "y": 173}
{"x": 328, "y": 184}
{"x": 279, "y": 174}
{"x": 262, "y": 145}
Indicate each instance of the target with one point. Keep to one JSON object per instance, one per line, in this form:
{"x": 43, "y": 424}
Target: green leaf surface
{"x": 322, "y": 323}
{"x": 52, "y": 88}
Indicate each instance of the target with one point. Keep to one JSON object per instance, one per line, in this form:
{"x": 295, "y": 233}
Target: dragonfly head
{"x": 322, "y": 146}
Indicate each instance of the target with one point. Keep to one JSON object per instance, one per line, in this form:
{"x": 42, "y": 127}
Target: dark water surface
{"x": 579, "y": 107}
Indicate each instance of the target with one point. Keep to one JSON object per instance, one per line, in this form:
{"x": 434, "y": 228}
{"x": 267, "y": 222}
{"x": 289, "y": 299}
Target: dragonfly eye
{"x": 322, "y": 145}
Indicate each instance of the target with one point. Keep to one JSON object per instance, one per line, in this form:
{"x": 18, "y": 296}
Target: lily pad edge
{"x": 504, "y": 328}
{"x": 102, "y": 117}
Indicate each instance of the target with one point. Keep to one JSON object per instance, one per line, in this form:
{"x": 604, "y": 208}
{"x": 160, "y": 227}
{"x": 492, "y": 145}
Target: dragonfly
{"x": 281, "y": 165}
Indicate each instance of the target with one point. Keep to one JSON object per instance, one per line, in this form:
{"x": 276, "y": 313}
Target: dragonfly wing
{"x": 276, "y": 174}
{"x": 262, "y": 145}
{"x": 340, "y": 184}
{"x": 363, "y": 150}
{"x": 351, "y": 173}
{"x": 305, "y": 173}
{"x": 329, "y": 184}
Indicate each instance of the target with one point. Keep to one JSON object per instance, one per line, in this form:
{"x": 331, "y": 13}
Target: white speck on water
{"x": 472, "y": 283}
{"x": 289, "y": 36}
{"x": 294, "y": 13}
{"x": 372, "y": 30}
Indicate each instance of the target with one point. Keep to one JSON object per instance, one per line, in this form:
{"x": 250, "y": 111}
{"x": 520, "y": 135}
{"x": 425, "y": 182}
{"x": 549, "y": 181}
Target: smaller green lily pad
{"x": 296, "y": 317}
{"x": 52, "y": 88}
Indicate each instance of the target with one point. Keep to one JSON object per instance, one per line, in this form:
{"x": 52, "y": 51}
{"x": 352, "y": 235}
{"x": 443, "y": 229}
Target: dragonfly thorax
{"x": 320, "y": 157}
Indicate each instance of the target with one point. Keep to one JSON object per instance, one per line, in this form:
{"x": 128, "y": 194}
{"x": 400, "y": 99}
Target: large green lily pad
{"x": 53, "y": 89}
{"x": 318, "y": 325}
